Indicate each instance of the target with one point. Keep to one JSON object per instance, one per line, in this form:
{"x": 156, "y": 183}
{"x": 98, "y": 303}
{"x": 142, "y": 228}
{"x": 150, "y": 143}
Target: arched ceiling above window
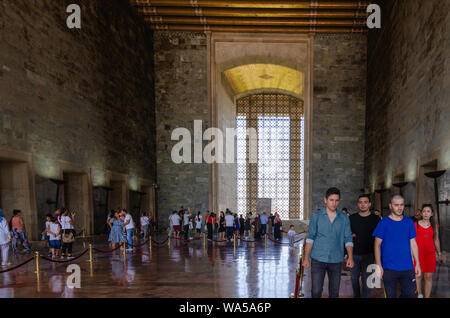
{"x": 264, "y": 76}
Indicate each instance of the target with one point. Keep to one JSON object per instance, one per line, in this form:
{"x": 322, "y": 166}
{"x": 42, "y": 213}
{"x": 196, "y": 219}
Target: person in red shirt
{"x": 428, "y": 243}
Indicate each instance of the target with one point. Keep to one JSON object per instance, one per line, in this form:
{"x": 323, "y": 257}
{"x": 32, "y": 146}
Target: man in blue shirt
{"x": 263, "y": 220}
{"x": 394, "y": 244}
{"x": 329, "y": 232}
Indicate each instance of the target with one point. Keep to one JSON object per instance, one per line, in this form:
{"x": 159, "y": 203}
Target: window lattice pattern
{"x": 278, "y": 174}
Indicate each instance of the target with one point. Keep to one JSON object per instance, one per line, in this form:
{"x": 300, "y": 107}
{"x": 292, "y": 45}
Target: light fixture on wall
{"x": 434, "y": 175}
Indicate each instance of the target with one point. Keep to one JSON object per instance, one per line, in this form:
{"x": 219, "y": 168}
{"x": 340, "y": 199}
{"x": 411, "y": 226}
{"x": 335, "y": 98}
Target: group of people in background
{"x": 225, "y": 226}
{"x": 122, "y": 227}
{"x": 402, "y": 250}
{"x": 60, "y": 233}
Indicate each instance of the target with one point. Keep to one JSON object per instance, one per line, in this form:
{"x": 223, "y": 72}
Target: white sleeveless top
{"x": 54, "y": 229}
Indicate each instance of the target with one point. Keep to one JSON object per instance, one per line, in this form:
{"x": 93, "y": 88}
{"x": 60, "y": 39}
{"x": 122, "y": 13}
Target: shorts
{"x": 177, "y": 228}
{"x": 198, "y": 230}
{"x": 55, "y": 244}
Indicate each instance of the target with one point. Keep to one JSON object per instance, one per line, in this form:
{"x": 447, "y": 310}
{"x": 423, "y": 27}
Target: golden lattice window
{"x": 278, "y": 174}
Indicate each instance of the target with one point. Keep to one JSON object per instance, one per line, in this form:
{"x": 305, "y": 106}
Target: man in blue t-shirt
{"x": 394, "y": 244}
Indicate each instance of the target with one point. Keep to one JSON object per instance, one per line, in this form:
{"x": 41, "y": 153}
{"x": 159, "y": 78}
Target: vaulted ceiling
{"x": 255, "y": 16}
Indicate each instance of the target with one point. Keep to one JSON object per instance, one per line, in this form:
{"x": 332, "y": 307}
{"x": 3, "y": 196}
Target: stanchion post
{"x": 150, "y": 243}
{"x": 265, "y": 241}
{"x": 36, "y": 259}
{"x": 204, "y": 239}
{"x": 234, "y": 241}
{"x": 91, "y": 257}
{"x": 124, "y": 250}
{"x": 168, "y": 240}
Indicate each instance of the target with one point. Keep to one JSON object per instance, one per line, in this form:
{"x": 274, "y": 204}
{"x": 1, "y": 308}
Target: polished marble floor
{"x": 184, "y": 270}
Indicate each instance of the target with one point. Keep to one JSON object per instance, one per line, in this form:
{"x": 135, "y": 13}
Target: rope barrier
{"x": 16, "y": 266}
{"x": 284, "y": 242}
{"x": 156, "y": 242}
{"x": 65, "y": 261}
{"x": 106, "y": 251}
{"x": 184, "y": 240}
{"x": 217, "y": 241}
{"x": 257, "y": 240}
{"x": 136, "y": 246}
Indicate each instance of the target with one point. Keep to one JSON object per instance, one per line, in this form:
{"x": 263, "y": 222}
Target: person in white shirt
{"x": 175, "y": 223}
{"x": 54, "y": 229}
{"x": 144, "y": 224}
{"x": 48, "y": 221}
{"x": 5, "y": 239}
{"x": 198, "y": 224}
{"x": 186, "y": 217}
{"x": 291, "y": 234}
{"x": 66, "y": 220}
{"x": 229, "y": 225}
{"x": 128, "y": 227}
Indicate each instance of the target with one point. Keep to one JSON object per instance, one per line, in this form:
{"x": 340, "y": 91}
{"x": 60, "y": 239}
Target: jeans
{"x": 19, "y": 236}
{"x": 229, "y": 231}
{"x": 291, "y": 240}
{"x": 318, "y": 270}
{"x": 130, "y": 238}
{"x": 186, "y": 231}
{"x": 360, "y": 270}
{"x": 209, "y": 226}
{"x": 407, "y": 281}
{"x": 263, "y": 229}
{"x": 145, "y": 230}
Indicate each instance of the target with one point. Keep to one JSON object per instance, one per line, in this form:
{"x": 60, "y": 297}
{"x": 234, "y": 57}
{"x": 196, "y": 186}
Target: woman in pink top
{"x": 18, "y": 231}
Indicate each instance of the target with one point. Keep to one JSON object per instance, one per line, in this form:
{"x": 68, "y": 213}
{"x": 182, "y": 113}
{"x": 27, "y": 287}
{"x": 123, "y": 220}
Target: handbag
{"x": 68, "y": 237}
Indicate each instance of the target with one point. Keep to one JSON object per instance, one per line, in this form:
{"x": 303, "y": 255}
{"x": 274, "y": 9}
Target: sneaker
{"x": 129, "y": 250}
{"x": 6, "y": 263}
{"x": 420, "y": 296}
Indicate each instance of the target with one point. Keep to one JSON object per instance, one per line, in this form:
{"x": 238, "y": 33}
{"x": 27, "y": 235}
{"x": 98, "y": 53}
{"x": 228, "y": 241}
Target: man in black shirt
{"x": 362, "y": 224}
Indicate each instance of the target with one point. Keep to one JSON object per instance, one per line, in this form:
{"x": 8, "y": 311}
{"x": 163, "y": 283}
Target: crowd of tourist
{"x": 224, "y": 226}
{"x": 403, "y": 249}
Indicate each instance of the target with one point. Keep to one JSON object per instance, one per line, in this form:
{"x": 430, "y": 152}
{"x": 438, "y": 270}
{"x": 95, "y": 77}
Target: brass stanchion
{"x": 124, "y": 250}
{"x": 36, "y": 259}
{"x": 265, "y": 241}
{"x": 234, "y": 241}
{"x": 91, "y": 270}
{"x": 150, "y": 243}
{"x": 91, "y": 257}
{"x": 168, "y": 241}
{"x": 204, "y": 240}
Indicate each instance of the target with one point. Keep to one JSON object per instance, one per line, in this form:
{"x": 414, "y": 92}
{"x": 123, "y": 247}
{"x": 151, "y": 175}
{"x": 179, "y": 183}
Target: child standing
{"x": 291, "y": 235}
{"x": 54, "y": 229}
{"x": 48, "y": 221}
{"x": 191, "y": 228}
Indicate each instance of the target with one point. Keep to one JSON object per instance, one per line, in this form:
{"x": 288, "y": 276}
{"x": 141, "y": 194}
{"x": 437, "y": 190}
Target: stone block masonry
{"x": 81, "y": 95}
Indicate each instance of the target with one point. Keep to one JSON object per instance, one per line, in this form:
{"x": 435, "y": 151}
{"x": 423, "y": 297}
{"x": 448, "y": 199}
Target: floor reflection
{"x": 249, "y": 270}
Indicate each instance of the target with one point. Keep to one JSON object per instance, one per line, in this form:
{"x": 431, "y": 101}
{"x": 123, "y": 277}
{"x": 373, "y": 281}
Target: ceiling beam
{"x": 253, "y": 21}
{"x": 254, "y": 13}
{"x": 228, "y": 28}
{"x": 349, "y": 5}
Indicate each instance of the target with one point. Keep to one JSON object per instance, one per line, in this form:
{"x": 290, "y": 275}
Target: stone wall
{"x": 338, "y": 123}
{"x": 84, "y": 96}
{"x": 338, "y": 117}
{"x": 181, "y": 98}
{"x": 408, "y": 93}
